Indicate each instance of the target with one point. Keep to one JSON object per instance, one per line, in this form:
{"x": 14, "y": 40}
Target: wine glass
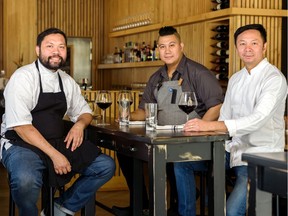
{"x": 103, "y": 101}
{"x": 187, "y": 103}
{"x": 125, "y": 95}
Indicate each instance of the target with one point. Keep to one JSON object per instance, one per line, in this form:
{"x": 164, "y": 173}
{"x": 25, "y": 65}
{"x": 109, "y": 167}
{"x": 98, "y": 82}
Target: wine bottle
{"x": 220, "y": 1}
{"x": 143, "y": 51}
{"x": 117, "y": 56}
{"x": 221, "y": 28}
{"x": 220, "y": 61}
{"x": 221, "y": 6}
{"x": 155, "y": 52}
{"x": 221, "y": 69}
{"x": 221, "y": 44}
{"x": 222, "y": 76}
{"x": 221, "y": 36}
{"x": 221, "y": 52}
{"x": 148, "y": 53}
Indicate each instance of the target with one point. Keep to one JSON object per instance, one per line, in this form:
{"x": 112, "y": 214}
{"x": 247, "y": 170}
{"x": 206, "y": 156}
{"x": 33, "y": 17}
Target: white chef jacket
{"x": 253, "y": 111}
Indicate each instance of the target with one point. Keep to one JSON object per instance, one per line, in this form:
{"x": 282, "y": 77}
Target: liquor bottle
{"x": 155, "y": 52}
{"x": 136, "y": 53}
{"x": 221, "y": 44}
{"x": 148, "y": 53}
{"x": 84, "y": 84}
{"x": 221, "y": 52}
{"x": 221, "y": 69}
{"x": 220, "y": 61}
{"x": 221, "y": 36}
{"x": 221, "y": 28}
{"x": 221, "y": 6}
{"x": 143, "y": 51}
{"x": 116, "y": 56}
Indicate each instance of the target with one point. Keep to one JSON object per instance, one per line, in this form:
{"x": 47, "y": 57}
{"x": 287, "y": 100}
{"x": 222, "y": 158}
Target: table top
{"x": 139, "y": 133}
{"x": 276, "y": 160}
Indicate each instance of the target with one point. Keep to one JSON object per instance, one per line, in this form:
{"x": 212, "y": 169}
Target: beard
{"x": 49, "y": 65}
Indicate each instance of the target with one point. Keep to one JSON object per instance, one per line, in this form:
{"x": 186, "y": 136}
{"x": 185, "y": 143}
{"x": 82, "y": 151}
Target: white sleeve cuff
{"x": 231, "y": 126}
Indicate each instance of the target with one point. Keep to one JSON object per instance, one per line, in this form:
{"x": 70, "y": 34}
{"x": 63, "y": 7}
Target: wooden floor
{"x": 118, "y": 198}
{"x": 109, "y": 198}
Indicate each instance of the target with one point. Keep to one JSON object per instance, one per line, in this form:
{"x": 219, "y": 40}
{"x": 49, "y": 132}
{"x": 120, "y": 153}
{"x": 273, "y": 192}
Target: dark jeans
{"x": 126, "y": 165}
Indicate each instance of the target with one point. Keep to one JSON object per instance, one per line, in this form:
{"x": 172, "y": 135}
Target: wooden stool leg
{"x": 48, "y": 200}
{"x": 202, "y": 193}
{"x": 11, "y": 205}
{"x": 51, "y": 201}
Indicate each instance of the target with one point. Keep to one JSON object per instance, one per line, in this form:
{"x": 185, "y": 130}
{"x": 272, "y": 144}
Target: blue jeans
{"x": 236, "y": 202}
{"x": 25, "y": 170}
{"x": 186, "y": 186}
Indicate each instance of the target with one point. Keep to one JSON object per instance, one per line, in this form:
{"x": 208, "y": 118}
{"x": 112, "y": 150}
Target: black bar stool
{"x": 47, "y": 200}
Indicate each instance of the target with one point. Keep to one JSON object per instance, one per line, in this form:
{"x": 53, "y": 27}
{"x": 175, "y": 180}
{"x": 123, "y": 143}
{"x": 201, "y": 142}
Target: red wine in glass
{"x": 187, "y": 109}
{"x": 104, "y": 105}
{"x": 103, "y": 101}
{"x": 187, "y": 103}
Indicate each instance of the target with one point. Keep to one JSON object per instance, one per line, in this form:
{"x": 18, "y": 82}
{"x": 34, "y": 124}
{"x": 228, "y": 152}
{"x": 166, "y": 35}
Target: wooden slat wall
{"x": 273, "y": 26}
{"x": 261, "y": 4}
{"x": 162, "y": 11}
{"x": 195, "y": 36}
{"x": 77, "y": 18}
{"x": 19, "y": 33}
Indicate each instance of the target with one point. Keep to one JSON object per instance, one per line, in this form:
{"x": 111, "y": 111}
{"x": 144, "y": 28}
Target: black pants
{"x": 126, "y": 165}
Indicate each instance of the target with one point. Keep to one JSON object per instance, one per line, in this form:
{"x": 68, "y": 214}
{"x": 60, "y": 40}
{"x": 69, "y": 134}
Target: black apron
{"x": 48, "y": 120}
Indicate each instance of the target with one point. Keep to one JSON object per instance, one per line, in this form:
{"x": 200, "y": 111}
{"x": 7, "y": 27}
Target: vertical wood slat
{"x": 274, "y": 37}
{"x": 261, "y": 4}
{"x": 70, "y": 17}
{"x": 77, "y": 18}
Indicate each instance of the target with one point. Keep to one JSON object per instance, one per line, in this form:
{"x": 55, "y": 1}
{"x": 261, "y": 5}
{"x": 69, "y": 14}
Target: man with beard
{"x": 33, "y": 139}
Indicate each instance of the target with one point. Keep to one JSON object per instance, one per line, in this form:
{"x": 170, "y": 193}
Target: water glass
{"x": 151, "y": 116}
{"x": 124, "y": 112}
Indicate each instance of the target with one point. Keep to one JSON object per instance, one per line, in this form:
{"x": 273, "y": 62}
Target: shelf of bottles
{"x": 220, "y": 50}
{"x": 133, "y": 54}
{"x": 220, "y": 4}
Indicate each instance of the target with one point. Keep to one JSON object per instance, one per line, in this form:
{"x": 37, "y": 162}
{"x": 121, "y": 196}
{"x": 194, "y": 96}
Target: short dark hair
{"x": 257, "y": 27}
{"x": 169, "y": 30}
{"x": 49, "y": 31}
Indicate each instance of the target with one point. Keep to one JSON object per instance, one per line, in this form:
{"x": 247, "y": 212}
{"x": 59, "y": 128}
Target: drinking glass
{"x": 124, "y": 101}
{"x": 187, "y": 103}
{"x": 103, "y": 101}
{"x": 125, "y": 95}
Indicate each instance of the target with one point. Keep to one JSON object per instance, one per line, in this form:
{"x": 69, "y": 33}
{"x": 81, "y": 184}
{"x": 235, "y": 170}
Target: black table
{"x": 159, "y": 148}
{"x": 268, "y": 172}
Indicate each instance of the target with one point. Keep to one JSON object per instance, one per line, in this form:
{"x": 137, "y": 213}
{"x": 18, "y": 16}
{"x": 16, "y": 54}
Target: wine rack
{"x": 218, "y": 48}
{"x": 220, "y": 4}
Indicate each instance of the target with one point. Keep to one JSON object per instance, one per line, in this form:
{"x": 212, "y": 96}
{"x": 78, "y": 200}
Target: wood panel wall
{"x": 24, "y": 19}
{"x": 19, "y": 33}
{"x": 273, "y": 26}
{"x": 260, "y": 4}
{"x": 196, "y": 36}
{"x": 77, "y": 18}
